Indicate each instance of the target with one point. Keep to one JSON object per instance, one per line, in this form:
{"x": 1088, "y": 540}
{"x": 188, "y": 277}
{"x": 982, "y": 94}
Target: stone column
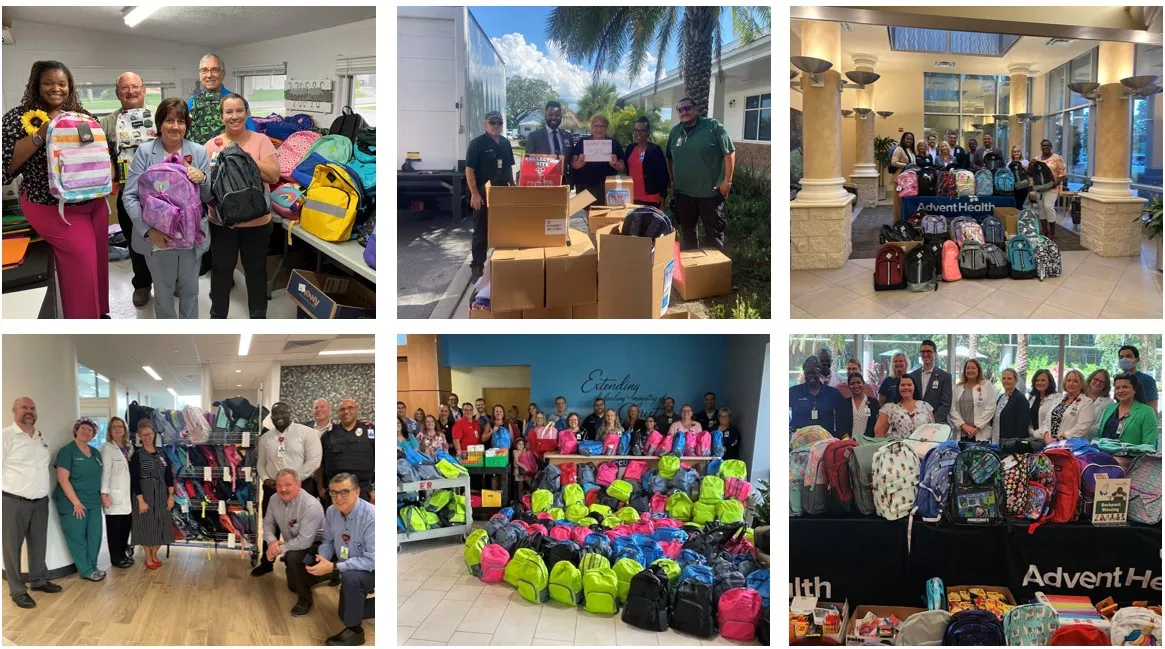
{"x": 865, "y": 173}
{"x": 819, "y": 228}
{"x": 1109, "y": 210}
{"x": 1019, "y": 79}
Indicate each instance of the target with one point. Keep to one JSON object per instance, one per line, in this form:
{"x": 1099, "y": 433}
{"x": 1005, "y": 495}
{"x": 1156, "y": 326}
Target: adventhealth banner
{"x": 976, "y": 207}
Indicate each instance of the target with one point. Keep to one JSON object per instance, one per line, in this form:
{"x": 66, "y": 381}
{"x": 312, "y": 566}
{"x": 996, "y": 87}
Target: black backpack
{"x": 641, "y": 502}
{"x": 972, "y": 260}
{"x": 707, "y": 543}
{"x": 992, "y": 161}
{"x": 762, "y": 629}
{"x": 549, "y": 478}
{"x": 725, "y": 582}
{"x": 692, "y": 610}
{"x": 997, "y": 267}
{"x": 205, "y": 117}
{"x": 921, "y": 269}
{"x": 1042, "y": 178}
{"x": 646, "y": 222}
{"x": 927, "y": 181}
{"x": 562, "y": 551}
{"x": 1021, "y": 179}
{"x": 347, "y": 124}
{"x": 647, "y": 600}
{"x": 237, "y": 188}
{"x": 993, "y": 231}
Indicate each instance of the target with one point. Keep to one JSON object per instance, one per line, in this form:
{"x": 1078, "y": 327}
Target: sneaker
{"x": 302, "y": 607}
{"x": 24, "y": 600}
{"x": 475, "y": 273}
{"x": 95, "y": 576}
{"x": 347, "y": 638}
{"x": 141, "y": 297}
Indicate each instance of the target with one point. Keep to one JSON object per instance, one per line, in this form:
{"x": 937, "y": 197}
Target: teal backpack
{"x": 364, "y": 158}
{"x": 333, "y": 148}
{"x": 1030, "y": 625}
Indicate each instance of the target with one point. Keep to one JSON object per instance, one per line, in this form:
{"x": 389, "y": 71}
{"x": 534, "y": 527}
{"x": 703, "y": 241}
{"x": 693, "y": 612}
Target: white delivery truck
{"x": 449, "y": 75}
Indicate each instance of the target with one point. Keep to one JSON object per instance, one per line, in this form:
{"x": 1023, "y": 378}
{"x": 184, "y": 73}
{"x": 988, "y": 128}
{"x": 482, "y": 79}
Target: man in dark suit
{"x": 550, "y": 139}
{"x": 962, "y": 160}
{"x": 933, "y": 384}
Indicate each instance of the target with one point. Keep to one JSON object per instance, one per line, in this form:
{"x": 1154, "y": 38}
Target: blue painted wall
{"x": 623, "y": 369}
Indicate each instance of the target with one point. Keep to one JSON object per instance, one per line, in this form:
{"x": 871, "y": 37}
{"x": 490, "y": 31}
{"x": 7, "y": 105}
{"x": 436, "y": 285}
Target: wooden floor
{"x": 196, "y": 598}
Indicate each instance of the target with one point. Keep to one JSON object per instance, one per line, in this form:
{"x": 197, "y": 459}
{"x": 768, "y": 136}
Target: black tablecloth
{"x": 865, "y": 560}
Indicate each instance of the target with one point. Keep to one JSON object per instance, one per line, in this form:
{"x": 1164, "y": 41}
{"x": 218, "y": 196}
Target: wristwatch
{"x": 37, "y": 140}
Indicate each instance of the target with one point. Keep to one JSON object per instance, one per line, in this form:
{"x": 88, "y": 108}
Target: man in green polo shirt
{"x": 488, "y": 159}
{"x": 700, "y": 159}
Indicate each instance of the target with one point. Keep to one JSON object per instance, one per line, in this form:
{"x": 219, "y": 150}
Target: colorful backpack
{"x": 1040, "y": 488}
{"x": 135, "y": 127}
{"x": 171, "y": 204}
{"x": 928, "y": 436}
{"x": 205, "y": 117}
{"x": 841, "y": 493}
{"x": 608, "y": 473}
{"x": 965, "y": 229}
{"x": 993, "y": 231}
{"x": 1145, "y": 490}
{"x": 1094, "y": 464}
{"x": 947, "y": 184}
{"x": 679, "y": 506}
{"x": 78, "y": 160}
{"x": 934, "y": 225}
{"x": 1004, "y": 181}
{"x": 1135, "y": 626}
{"x": 635, "y": 471}
{"x": 293, "y": 150}
{"x": 565, "y": 584}
{"x": 895, "y": 469}
{"x": 1027, "y": 224}
{"x": 1021, "y": 257}
{"x": 333, "y": 148}
{"x": 611, "y": 444}
{"x": 1066, "y": 501}
{"x": 935, "y": 485}
{"x": 601, "y": 591}
{"x": 950, "y": 262}
{"x": 806, "y": 436}
{"x": 529, "y": 576}
{"x": 494, "y": 559}
{"x": 331, "y": 202}
{"x": 1030, "y": 625}
{"x": 567, "y": 443}
{"x": 907, "y": 184}
{"x": 964, "y": 183}
{"x": 890, "y": 268}
{"x": 1015, "y": 485}
{"x": 921, "y": 270}
{"x": 815, "y": 492}
{"x": 287, "y": 201}
{"x": 861, "y": 475}
{"x": 1047, "y": 255}
{"x": 977, "y": 496}
{"x": 739, "y": 612}
{"x": 984, "y": 183}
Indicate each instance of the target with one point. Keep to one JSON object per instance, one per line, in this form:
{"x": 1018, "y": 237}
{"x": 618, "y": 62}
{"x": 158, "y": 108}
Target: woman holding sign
{"x": 605, "y": 158}
{"x": 151, "y": 483}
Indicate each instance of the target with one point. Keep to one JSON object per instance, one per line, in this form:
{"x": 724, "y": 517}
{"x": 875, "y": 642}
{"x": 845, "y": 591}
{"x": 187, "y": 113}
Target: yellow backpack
{"x": 330, "y": 204}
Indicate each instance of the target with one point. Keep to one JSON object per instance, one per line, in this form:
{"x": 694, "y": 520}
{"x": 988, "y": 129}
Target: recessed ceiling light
{"x": 244, "y": 344}
{"x": 149, "y": 370}
{"x": 238, "y": 385}
{"x": 238, "y": 371}
{"x": 341, "y": 352}
{"x": 171, "y": 391}
{"x": 138, "y": 14}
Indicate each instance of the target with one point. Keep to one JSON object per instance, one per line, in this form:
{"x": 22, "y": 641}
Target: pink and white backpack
{"x": 908, "y": 182}
{"x": 493, "y": 563}
{"x": 171, "y": 203}
{"x": 293, "y": 150}
{"x": 611, "y": 443}
{"x": 704, "y": 444}
{"x": 654, "y": 440}
{"x": 78, "y": 160}
{"x": 195, "y": 426}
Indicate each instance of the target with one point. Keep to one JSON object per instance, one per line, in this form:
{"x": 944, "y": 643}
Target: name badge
{"x": 499, "y": 163}
{"x": 343, "y": 553}
{"x": 934, "y": 384}
{"x": 813, "y": 414}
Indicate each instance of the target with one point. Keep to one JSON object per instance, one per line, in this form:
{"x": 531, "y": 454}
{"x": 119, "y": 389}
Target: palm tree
{"x": 599, "y": 97}
{"x": 614, "y": 36}
{"x": 1021, "y": 358}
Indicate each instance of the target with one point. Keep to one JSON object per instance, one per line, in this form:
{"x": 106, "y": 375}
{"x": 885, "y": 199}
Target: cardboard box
{"x": 906, "y": 246}
{"x": 551, "y": 313}
{"x": 490, "y": 498}
{"x": 585, "y": 311}
{"x": 619, "y": 183}
{"x": 635, "y": 274}
{"x": 517, "y": 279}
{"x": 901, "y": 612}
{"x": 798, "y": 620}
{"x": 680, "y": 315}
{"x": 331, "y": 297}
{"x": 487, "y": 314}
{"x": 706, "y": 272}
{"x": 572, "y": 272}
{"x": 1007, "y": 596}
{"x": 600, "y": 216}
{"x": 1009, "y": 216}
{"x": 531, "y": 217}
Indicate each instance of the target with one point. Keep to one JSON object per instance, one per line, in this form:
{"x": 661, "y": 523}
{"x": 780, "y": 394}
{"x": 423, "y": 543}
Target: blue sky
{"x": 519, "y": 33}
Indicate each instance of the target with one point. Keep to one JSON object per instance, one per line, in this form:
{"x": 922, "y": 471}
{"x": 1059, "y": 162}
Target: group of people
{"x": 947, "y": 154}
{"x": 133, "y": 485}
{"x": 695, "y": 168}
{"x": 196, "y": 130}
{"x": 1120, "y": 406}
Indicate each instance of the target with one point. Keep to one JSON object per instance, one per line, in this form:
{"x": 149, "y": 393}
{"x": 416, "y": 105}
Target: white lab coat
{"x": 1045, "y": 412}
{"x": 115, "y": 479}
{"x": 984, "y": 401}
{"x": 1077, "y": 421}
{"x": 1098, "y": 406}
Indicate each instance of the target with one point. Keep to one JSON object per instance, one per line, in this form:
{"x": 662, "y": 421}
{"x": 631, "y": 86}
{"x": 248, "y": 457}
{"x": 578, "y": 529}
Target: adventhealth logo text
{"x": 803, "y": 587}
{"x": 1118, "y": 578}
{"x": 961, "y": 207}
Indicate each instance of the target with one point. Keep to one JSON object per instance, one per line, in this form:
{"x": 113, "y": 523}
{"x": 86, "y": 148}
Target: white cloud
{"x": 568, "y": 79}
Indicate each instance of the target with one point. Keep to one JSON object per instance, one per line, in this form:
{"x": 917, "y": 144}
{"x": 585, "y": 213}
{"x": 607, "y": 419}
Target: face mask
{"x": 1127, "y": 364}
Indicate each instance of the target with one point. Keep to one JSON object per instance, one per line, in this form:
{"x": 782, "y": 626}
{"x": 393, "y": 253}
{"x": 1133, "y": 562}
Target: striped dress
{"x": 150, "y": 477}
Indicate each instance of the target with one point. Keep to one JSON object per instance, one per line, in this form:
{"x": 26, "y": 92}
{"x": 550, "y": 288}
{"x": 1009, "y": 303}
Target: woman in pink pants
{"x": 80, "y": 246}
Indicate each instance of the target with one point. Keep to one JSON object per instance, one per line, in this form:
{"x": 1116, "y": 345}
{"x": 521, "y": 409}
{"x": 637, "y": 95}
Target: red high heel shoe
{"x": 152, "y": 566}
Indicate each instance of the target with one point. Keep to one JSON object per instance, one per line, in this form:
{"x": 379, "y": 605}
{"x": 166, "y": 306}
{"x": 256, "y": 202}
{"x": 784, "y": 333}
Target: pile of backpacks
{"x": 663, "y": 565}
{"x": 993, "y": 179}
{"x": 442, "y": 507}
{"x": 933, "y": 477}
{"x": 962, "y": 249}
{"x": 685, "y": 444}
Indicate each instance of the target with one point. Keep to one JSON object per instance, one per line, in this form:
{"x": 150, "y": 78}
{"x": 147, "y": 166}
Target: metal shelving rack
{"x": 453, "y": 530}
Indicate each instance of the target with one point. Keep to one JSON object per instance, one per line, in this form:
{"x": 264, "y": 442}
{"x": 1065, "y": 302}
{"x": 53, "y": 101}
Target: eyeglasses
{"x": 343, "y": 493}
{"x": 210, "y": 70}
{"x": 684, "y": 109}
{"x": 136, "y": 87}
{"x": 344, "y": 408}
{"x": 494, "y": 122}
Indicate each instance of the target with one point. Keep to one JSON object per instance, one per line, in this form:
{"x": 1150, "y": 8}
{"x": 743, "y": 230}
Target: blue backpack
{"x": 305, "y": 171}
{"x": 508, "y": 512}
{"x": 363, "y": 160}
{"x": 501, "y": 438}
{"x": 1021, "y": 257}
{"x": 697, "y": 572}
{"x": 718, "y": 443}
{"x": 590, "y": 448}
{"x": 417, "y": 458}
{"x": 936, "y": 480}
{"x": 586, "y": 475}
{"x": 404, "y": 471}
{"x": 684, "y": 480}
{"x": 651, "y": 550}
{"x": 624, "y": 443}
{"x": 690, "y": 556}
{"x": 627, "y": 551}
{"x": 664, "y": 534}
{"x": 597, "y": 543}
{"x": 758, "y": 580}
{"x": 1004, "y": 181}
{"x": 974, "y": 628}
{"x": 713, "y": 467}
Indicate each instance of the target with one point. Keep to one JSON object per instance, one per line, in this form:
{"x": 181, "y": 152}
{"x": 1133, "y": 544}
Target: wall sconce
{"x": 1140, "y": 87}
{"x": 860, "y": 78}
{"x": 1087, "y": 90}
{"x": 863, "y": 113}
{"x": 1028, "y": 118}
{"x": 814, "y": 67}
{"x": 731, "y": 103}
{"x": 885, "y": 113}
{"x": 847, "y": 113}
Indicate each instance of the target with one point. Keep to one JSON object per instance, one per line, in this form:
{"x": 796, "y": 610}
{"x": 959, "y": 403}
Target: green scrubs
{"x": 82, "y": 535}
{"x": 698, "y": 157}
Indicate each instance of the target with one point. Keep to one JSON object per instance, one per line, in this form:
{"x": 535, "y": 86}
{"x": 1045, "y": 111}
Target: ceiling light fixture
{"x": 244, "y": 344}
{"x": 238, "y": 371}
{"x": 341, "y": 352}
{"x": 172, "y": 392}
{"x": 149, "y": 370}
{"x": 137, "y": 14}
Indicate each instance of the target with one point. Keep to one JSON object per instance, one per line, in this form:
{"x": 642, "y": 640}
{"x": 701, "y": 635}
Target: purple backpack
{"x": 171, "y": 203}
{"x": 370, "y": 251}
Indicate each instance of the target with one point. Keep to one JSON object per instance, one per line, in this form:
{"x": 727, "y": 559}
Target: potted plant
{"x": 1150, "y": 218}
{"x": 760, "y": 505}
{"x": 883, "y": 148}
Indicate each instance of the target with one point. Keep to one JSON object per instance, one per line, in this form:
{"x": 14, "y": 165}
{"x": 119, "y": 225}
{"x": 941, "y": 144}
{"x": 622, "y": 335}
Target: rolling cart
{"x": 462, "y": 531}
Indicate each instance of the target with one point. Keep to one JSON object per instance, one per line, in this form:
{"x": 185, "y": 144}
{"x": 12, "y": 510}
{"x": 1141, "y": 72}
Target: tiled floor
{"x": 121, "y": 297}
{"x": 440, "y": 603}
{"x": 1090, "y": 287}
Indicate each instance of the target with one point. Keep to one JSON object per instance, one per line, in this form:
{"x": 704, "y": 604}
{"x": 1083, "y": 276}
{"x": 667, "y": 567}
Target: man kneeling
{"x": 299, "y": 518}
{"x": 349, "y": 539}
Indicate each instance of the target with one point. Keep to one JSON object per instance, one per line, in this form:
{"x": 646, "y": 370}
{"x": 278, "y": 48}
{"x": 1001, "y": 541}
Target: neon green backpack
{"x": 438, "y": 500}
{"x": 730, "y": 511}
{"x": 566, "y": 584}
{"x": 733, "y": 469}
{"x": 576, "y": 512}
{"x": 625, "y": 569}
{"x": 679, "y": 506}
{"x": 671, "y": 568}
{"x": 542, "y": 500}
{"x": 474, "y": 544}
{"x": 451, "y": 471}
{"x": 527, "y": 572}
{"x": 603, "y": 510}
{"x": 593, "y": 561}
{"x": 627, "y": 515}
{"x": 458, "y": 507}
{"x": 333, "y": 148}
{"x": 414, "y": 519}
{"x": 668, "y": 465}
{"x": 556, "y": 513}
{"x": 601, "y": 591}
{"x": 611, "y": 522}
{"x": 703, "y": 512}
{"x": 573, "y": 493}
{"x": 620, "y": 490}
{"x": 711, "y": 489}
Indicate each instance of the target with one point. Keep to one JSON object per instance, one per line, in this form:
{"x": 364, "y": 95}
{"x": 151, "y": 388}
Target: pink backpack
{"x": 493, "y": 563}
{"x": 608, "y": 473}
{"x": 658, "y": 504}
{"x": 560, "y": 533}
{"x": 704, "y": 444}
{"x": 668, "y": 522}
{"x": 671, "y": 549}
{"x": 523, "y": 524}
{"x": 579, "y": 534}
{"x": 171, "y": 203}
{"x": 544, "y": 516}
{"x": 537, "y": 528}
{"x": 950, "y": 262}
{"x": 293, "y": 151}
{"x": 666, "y": 445}
{"x": 643, "y": 526}
{"x": 616, "y": 532}
{"x": 739, "y": 613}
{"x": 611, "y": 444}
{"x": 567, "y": 443}
{"x": 653, "y": 442}
{"x": 737, "y": 488}
{"x": 635, "y": 470}
{"x": 908, "y": 183}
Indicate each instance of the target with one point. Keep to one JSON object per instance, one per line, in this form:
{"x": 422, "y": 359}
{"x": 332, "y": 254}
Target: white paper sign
{"x": 231, "y": 541}
{"x": 251, "y": 506}
{"x": 597, "y": 150}
{"x": 222, "y": 506}
{"x": 206, "y": 473}
{"x": 246, "y": 438}
{"x": 185, "y": 508}
{"x": 555, "y": 226}
{"x": 226, "y": 473}
{"x": 247, "y": 473}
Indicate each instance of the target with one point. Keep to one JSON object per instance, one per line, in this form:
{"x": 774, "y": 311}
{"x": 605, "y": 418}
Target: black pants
{"x": 710, "y": 211}
{"x": 117, "y": 528}
{"x": 598, "y": 190}
{"x": 1021, "y": 197}
{"x": 141, "y": 272}
{"x": 226, "y": 245}
{"x": 355, "y": 585}
{"x": 267, "y": 494}
{"x": 480, "y": 237}
{"x": 298, "y": 577}
{"x": 309, "y": 485}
